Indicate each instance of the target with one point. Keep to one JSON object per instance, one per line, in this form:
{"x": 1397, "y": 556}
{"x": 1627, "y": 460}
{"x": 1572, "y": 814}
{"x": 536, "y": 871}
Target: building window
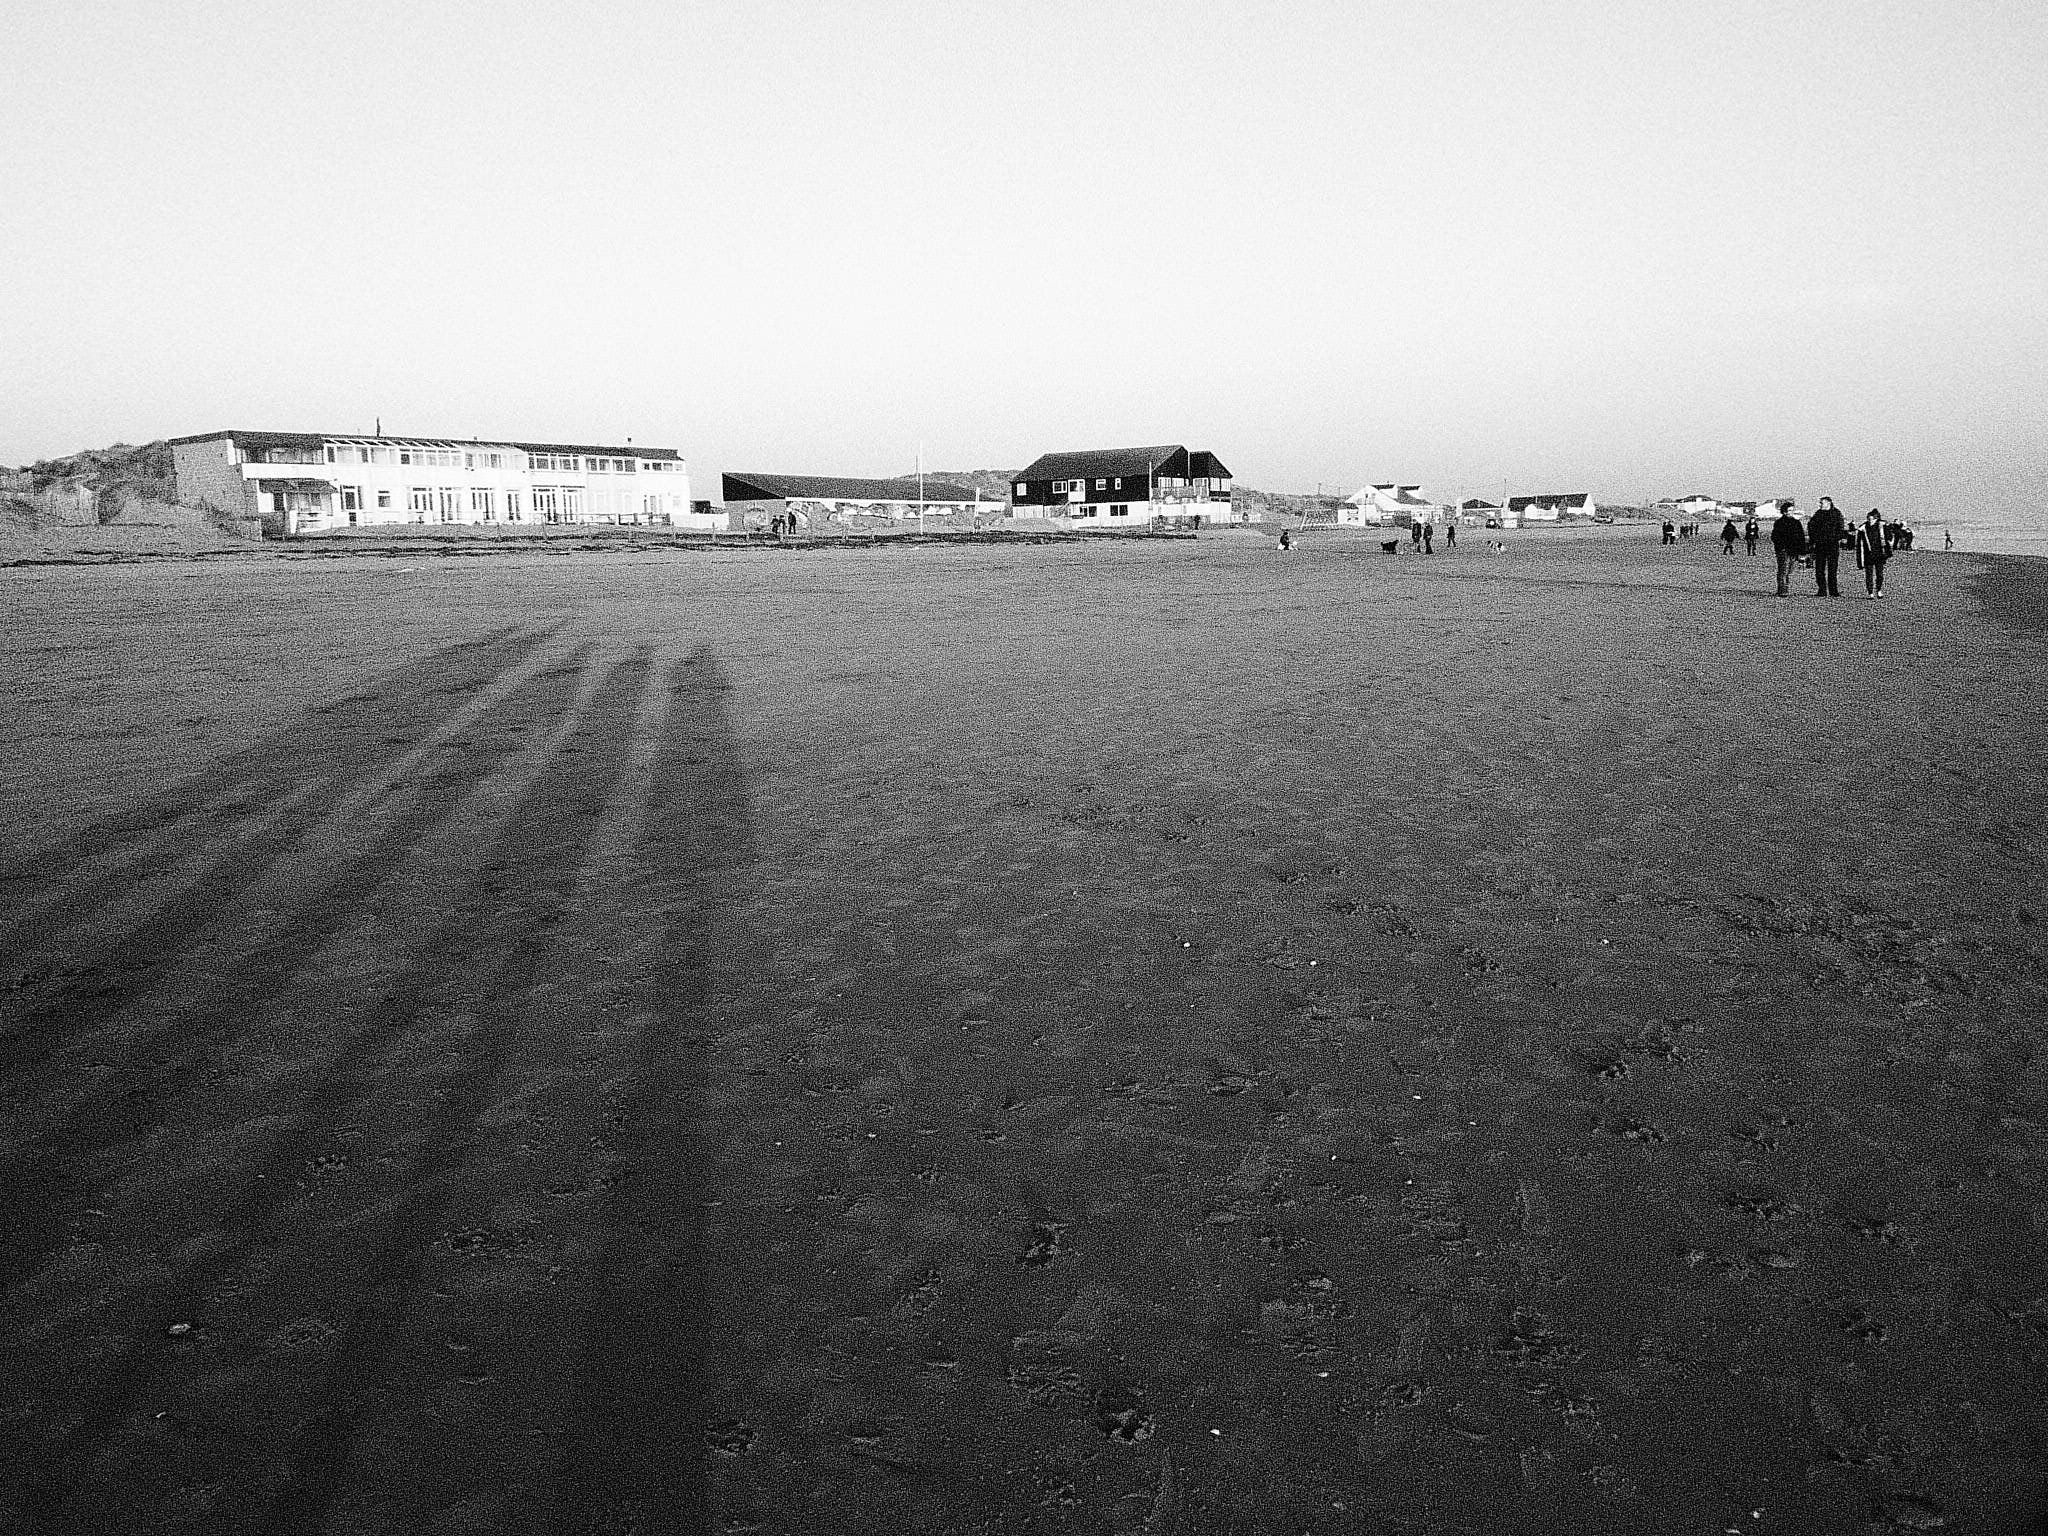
{"x": 511, "y": 506}
{"x": 351, "y": 498}
{"x": 480, "y": 502}
{"x": 651, "y": 505}
{"x": 420, "y": 500}
{"x": 572, "y": 503}
{"x": 1101, "y": 485}
{"x": 1119, "y": 484}
{"x": 384, "y": 501}
{"x": 451, "y": 503}
{"x": 1019, "y": 488}
{"x": 1120, "y": 510}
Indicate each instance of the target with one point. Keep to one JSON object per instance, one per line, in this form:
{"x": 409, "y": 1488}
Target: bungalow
{"x": 1387, "y": 504}
{"x": 1549, "y": 509}
{"x": 1697, "y": 506}
{"x": 1477, "y": 512}
{"x": 824, "y": 498}
{"x": 1106, "y": 489}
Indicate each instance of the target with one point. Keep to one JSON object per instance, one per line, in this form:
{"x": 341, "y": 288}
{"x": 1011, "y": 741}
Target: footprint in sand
{"x": 1048, "y": 1242}
{"x": 729, "y": 1437}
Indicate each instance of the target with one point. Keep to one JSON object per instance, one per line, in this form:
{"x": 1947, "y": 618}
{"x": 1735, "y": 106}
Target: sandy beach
{"x": 1164, "y": 1037}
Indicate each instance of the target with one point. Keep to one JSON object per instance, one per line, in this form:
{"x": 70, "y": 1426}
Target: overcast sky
{"x": 1612, "y": 245}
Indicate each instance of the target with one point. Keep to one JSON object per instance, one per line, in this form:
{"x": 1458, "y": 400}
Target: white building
{"x": 1548, "y": 509}
{"x": 317, "y": 482}
{"x": 1388, "y": 504}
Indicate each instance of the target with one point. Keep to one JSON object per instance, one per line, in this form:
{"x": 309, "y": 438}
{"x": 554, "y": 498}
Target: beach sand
{"x": 1155, "y": 1037}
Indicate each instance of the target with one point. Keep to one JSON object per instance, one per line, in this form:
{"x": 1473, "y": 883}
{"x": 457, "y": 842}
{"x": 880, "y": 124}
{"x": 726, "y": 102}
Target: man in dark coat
{"x": 1870, "y": 544}
{"x": 1749, "y": 534}
{"x": 1824, "y": 532}
{"x": 1788, "y": 543}
{"x": 1729, "y": 534}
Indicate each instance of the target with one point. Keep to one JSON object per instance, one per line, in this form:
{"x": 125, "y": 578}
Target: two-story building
{"x": 1110, "y": 488}
{"x": 317, "y": 482}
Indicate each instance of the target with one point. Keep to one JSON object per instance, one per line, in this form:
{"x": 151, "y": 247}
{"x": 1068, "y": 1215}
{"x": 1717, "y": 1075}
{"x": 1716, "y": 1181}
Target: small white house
{"x": 1549, "y": 508}
{"x": 1388, "y": 504}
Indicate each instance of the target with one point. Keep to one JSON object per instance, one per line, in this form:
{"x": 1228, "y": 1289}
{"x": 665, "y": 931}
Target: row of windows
{"x": 457, "y": 458}
{"x": 553, "y": 503}
{"x": 1076, "y": 487}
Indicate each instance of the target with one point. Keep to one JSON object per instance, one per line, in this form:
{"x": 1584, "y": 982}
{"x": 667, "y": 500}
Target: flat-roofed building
{"x": 827, "y": 498}
{"x": 1110, "y": 488}
{"x": 316, "y": 482}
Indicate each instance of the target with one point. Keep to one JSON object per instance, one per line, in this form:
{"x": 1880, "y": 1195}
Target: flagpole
{"x": 920, "y": 487}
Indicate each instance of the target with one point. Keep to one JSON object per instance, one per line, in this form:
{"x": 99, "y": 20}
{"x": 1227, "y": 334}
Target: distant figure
{"x": 1670, "y": 533}
{"x": 1870, "y": 545}
{"x": 1948, "y": 540}
{"x": 1824, "y": 532}
{"x": 1749, "y": 534}
{"x": 1285, "y": 541}
{"x": 1415, "y": 535}
{"x": 1450, "y": 535}
{"x": 1788, "y": 543}
{"x": 1429, "y": 538}
{"x": 1729, "y": 534}
{"x": 1905, "y": 535}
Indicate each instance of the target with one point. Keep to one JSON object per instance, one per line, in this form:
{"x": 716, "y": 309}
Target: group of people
{"x": 1820, "y": 541}
{"x": 1673, "y": 532}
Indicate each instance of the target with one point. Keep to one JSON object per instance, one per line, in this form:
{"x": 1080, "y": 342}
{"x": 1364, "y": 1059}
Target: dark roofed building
{"x": 1106, "y": 488}
{"x": 903, "y": 489}
{"x": 1548, "y": 509}
{"x": 833, "y": 498}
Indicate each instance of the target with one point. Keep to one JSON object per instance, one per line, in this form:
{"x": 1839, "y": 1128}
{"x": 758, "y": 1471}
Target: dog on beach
{"x": 1391, "y": 546}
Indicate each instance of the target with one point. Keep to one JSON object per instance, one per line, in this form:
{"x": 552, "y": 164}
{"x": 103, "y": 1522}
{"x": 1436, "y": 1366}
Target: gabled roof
{"x": 1477, "y": 505}
{"x": 397, "y": 440}
{"x": 1097, "y": 463}
{"x": 1204, "y": 465}
{"x": 749, "y": 487}
{"x": 1560, "y": 500}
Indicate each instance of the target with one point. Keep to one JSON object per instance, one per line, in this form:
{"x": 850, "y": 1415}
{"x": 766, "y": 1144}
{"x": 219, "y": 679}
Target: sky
{"x": 1637, "y": 248}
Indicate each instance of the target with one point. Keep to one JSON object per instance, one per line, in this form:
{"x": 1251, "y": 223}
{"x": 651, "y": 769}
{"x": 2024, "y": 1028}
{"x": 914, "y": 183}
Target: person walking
{"x": 1870, "y": 538}
{"x": 1415, "y": 535}
{"x": 1429, "y": 538}
{"x": 1749, "y": 534}
{"x": 1824, "y": 532}
{"x": 1788, "y": 543}
{"x": 1948, "y": 540}
{"x": 1728, "y": 537}
{"x": 1670, "y": 532}
{"x": 1451, "y": 534}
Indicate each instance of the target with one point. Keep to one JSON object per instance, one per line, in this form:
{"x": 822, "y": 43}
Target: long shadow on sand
{"x": 526, "y": 955}
{"x": 165, "y": 1051}
{"x": 634, "y": 1444}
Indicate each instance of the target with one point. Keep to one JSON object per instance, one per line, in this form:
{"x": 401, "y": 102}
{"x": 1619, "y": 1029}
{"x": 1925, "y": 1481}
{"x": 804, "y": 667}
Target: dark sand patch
{"x": 1168, "y": 1038}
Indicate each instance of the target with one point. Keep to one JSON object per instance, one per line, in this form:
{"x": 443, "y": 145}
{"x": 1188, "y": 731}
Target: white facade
{"x": 320, "y": 483}
{"x": 1378, "y": 504}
